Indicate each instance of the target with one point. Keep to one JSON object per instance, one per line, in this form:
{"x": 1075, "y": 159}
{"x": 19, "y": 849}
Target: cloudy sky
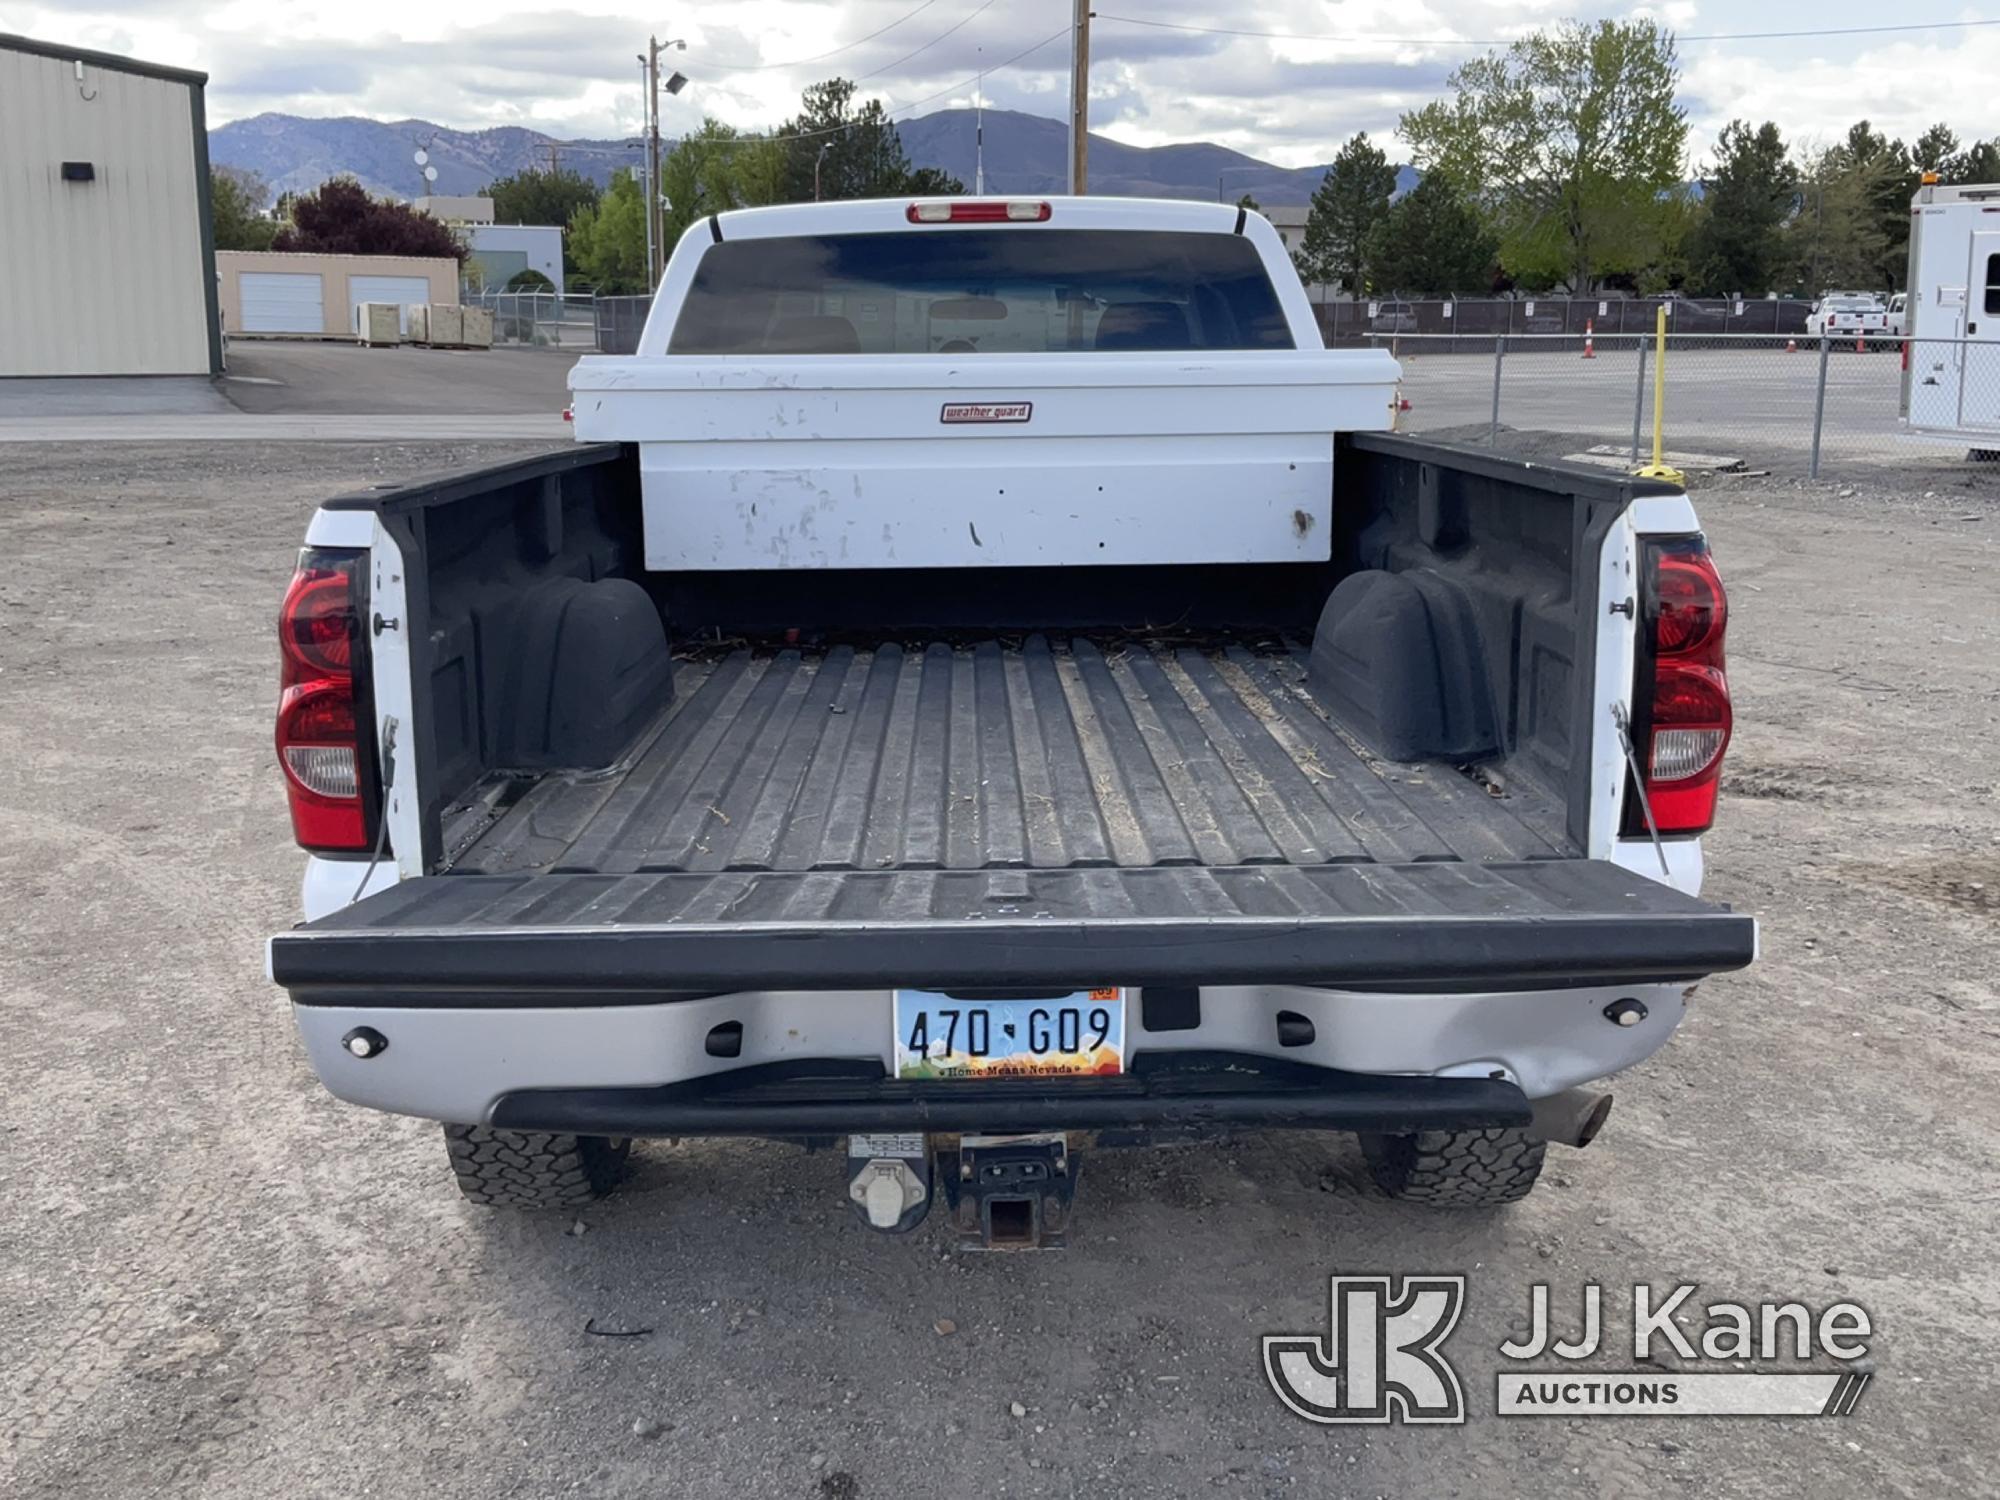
{"x": 573, "y": 71}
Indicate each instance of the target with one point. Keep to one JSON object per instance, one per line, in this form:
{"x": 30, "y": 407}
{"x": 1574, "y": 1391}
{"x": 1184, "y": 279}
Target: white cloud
{"x": 1900, "y": 86}
{"x": 471, "y": 63}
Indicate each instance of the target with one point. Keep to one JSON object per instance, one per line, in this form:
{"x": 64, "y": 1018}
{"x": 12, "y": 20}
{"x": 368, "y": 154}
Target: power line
{"x": 1438, "y": 41}
{"x": 1054, "y": 36}
{"x": 760, "y": 67}
{"x": 887, "y": 67}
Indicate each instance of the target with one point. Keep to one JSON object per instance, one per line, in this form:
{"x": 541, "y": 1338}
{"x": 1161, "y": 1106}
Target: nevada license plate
{"x": 1080, "y": 1033}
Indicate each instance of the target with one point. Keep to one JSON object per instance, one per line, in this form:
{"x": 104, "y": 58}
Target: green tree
{"x": 236, "y": 198}
{"x": 850, "y": 151}
{"x": 1887, "y": 179}
{"x": 536, "y": 197}
{"x": 608, "y": 239}
{"x": 1570, "y": 138}
{"x": 1666, "y": 268}
{"x": 1937, "y": 151}
{"x": 715, "y": 168}
{"x": 1837, "y": 239}
{"x": 340, "y": 218}
{"x": 1980, "y": 163}
{"x": 1349, "y": 202}
{"x": 1738, "y": 239}
{"x": 1432, "y": 242}
{"x": 1250, "y": 203}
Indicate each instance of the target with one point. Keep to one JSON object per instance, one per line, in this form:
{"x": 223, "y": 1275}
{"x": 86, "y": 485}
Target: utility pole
{"x": 1079, "y": 98}
{"x": 979, "y": 130}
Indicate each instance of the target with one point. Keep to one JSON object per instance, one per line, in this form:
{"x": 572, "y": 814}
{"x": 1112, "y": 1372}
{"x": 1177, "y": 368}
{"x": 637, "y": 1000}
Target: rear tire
{"x": 1456, "y": 1168}
{"x": 533, "y": 1169}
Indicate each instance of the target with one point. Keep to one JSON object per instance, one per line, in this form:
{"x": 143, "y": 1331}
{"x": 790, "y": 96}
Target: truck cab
{"x": 970, "y": 757}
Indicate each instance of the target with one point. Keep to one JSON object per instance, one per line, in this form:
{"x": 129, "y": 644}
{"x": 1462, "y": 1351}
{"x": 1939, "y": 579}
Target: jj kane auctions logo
{"x": 1382, "y": 1360}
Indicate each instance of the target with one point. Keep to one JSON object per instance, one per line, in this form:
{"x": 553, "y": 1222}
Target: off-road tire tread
{"x": 533, "y": 1169}
{"x": 1456, "y": 1168}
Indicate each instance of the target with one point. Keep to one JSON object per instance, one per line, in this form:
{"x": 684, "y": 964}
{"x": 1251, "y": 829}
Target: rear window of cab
{"x": 981, "y": 291}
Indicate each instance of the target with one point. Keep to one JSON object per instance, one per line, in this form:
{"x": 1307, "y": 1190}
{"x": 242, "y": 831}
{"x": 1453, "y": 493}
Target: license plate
{"x": 1079, "y": 1033}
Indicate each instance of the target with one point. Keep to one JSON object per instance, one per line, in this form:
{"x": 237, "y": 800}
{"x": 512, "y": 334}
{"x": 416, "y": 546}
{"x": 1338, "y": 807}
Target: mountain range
{"x": 1024, "y": 154}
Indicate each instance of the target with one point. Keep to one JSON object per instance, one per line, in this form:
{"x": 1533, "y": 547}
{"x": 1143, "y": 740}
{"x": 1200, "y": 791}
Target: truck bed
{"x": 1038, "y": 753}
{"x": 828, "y": 780}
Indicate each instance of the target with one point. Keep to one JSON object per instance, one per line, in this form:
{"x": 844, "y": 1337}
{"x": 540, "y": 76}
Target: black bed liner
{"x": 1041, "y": 754}
{"x": 1045, "y": 812}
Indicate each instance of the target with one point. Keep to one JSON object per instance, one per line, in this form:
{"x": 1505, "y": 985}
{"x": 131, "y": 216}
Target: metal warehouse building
{"x": 107, "y": 248}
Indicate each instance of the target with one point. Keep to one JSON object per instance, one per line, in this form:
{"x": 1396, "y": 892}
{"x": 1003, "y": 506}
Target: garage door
{"x": 283, "y": 302}
{"x": 401, "y": 290}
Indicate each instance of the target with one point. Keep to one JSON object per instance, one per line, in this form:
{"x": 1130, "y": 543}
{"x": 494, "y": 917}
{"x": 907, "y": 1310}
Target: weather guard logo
{"x": 1379, "y": 1361}
{"x": 956, "y": 412}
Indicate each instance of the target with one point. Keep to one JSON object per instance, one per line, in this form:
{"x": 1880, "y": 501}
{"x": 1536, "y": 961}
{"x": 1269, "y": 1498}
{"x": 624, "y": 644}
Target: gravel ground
{"x": 215, "y": 1280}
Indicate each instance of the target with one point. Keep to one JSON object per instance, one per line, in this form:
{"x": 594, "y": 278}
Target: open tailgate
{"x": 588, "y": 938}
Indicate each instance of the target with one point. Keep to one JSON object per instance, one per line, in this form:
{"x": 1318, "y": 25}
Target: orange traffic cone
{"x": 1590, "y": 338}
{"x": 1791, "y": 346}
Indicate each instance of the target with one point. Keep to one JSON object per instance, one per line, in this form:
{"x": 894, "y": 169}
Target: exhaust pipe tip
{"x": 1571, "y": 1118}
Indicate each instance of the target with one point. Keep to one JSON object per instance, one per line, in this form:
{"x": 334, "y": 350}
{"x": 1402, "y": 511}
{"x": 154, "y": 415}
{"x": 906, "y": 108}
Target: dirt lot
{"x": 214, "y": 1280}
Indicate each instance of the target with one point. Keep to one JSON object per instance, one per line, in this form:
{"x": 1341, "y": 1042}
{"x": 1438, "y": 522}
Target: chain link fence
{"x": 619, "y": 320}
{"x": 1555, "y": 379}
{"x": 1474, "y": 322}
{"x": 1759, "y": 401}
{"x": 550, "y": 320}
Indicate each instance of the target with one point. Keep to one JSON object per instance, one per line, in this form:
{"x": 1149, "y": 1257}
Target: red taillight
{"x": 993, "y": 211}
{"x": 1682, "y": 711}
{"x": 319, "y": 750}
{"x": 319, "y": 740}
{"x": 316, "y": 624}
{"x": 1692, "y": 611}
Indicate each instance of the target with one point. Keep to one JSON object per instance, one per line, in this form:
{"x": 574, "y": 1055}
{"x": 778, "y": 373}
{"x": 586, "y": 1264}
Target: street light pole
{"x": 645, "y": 177}
{"x": 654, "y": 228}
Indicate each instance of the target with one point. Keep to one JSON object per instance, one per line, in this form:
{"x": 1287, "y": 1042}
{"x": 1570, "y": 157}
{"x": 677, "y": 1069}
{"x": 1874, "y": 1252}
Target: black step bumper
{"x": 1183, "y": 1091}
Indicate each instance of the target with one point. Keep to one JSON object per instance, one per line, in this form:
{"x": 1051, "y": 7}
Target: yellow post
{"x": 1658, "y": 469}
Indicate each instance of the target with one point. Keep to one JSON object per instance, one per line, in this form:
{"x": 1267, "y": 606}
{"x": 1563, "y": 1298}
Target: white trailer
{"x": 1951, "y": 358}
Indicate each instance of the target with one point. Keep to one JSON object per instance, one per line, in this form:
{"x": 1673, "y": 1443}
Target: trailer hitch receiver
{"x": 1011, "y": 1192}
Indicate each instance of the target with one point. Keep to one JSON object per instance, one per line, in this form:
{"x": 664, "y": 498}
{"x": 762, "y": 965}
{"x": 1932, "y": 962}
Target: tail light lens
{"x": 324, "y": 755}
{"x": 1681, "y": 714}
{"x": 317, "y": 625}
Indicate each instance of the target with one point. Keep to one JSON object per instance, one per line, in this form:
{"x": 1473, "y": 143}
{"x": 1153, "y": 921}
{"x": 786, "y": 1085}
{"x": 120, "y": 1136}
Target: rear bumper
{"x": 645, "y": 1068}
{"x": 1167, "y": 1090}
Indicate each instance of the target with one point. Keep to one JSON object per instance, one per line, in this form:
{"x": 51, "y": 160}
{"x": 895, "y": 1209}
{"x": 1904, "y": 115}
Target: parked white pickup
{"x": 982, "y": 622}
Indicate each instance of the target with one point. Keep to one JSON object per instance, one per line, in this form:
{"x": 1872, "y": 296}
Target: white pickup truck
{"x": 988, "y": 684}
{"x": 1847, "y": 315}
